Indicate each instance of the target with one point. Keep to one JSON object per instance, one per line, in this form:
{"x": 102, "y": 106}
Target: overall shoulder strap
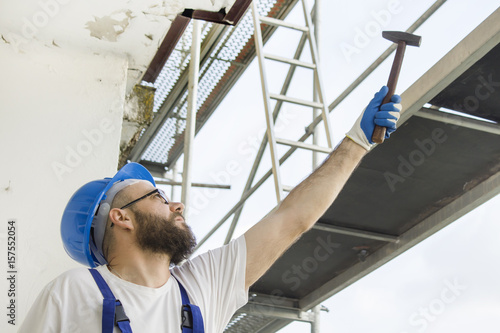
{"x": 113, "y": 312}
{"x": 192, "y": 320}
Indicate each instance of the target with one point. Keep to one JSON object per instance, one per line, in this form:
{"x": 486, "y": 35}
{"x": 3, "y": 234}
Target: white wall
{"x": 65, "y": 68}
{"x": 60, "y": 126}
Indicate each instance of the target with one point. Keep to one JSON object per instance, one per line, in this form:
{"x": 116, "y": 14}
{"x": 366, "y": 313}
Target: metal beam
{"x": 427, "y": 227}
{"x": 194, "y": 68}
{"x": 316, "y": 21}
{"x": 453, "y": 119}
{"x": 315, "y": 324}
{"x": 273, "y": 311}
{"x": 260, "y": 306}
{"x": 356, "y": 233}
{"x": 281, "y": 23}
{"x": 289, "y": 61}
{"x": 297, "y": 101}
{"x": 175, "y": 183}
{"x": 318, "y": 86}
{"x": 304, "y": 145}
{"x": 273, "y": 149}
{"x": 472, "y": 48}
{"x": 276, "y": 312}
{"x": 274, "y": 326}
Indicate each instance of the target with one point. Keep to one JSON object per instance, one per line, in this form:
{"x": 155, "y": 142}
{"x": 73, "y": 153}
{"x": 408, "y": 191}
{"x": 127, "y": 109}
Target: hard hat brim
{"x": 77, "y": 243}
{"x": 128, "y": 171}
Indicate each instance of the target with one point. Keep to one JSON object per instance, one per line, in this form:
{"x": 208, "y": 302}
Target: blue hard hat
{"x": 82, "y": 208}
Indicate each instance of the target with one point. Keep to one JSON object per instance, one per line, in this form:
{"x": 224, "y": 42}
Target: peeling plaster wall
{"x": 209, "y": 5}
{"x": 133, "y": 29}
{"x": 60, "y": 126}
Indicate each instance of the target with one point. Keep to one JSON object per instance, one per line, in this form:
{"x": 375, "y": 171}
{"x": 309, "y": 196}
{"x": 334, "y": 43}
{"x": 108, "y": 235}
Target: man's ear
{"x": 121, "y": 218}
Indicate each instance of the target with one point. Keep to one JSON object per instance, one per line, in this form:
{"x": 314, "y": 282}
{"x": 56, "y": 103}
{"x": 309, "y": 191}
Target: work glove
{"x": 385, "y": 115}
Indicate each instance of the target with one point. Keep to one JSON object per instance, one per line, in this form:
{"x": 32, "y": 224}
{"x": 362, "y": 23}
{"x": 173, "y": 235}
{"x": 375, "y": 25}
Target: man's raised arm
{"x": 306, "y": 203}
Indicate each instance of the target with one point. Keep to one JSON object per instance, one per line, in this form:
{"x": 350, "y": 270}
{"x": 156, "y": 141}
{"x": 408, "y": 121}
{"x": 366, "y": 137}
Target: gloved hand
{"x": 386, "y": 115}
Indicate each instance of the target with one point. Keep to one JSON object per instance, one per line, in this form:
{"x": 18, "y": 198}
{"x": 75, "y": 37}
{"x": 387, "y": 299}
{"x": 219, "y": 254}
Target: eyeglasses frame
{"x": 156, "y": 190}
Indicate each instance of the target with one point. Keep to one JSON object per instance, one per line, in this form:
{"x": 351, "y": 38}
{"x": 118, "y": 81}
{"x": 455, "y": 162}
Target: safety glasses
{"x": 158, "y": 191}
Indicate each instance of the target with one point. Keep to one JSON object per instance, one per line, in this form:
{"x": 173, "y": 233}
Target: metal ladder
{"x": 281, "y": 97}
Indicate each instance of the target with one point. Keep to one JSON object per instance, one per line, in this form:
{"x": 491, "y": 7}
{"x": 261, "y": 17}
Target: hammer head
{"x": 398, "y": 36}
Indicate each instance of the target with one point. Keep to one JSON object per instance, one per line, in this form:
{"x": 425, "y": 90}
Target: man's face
{"x": 160, "y": 228}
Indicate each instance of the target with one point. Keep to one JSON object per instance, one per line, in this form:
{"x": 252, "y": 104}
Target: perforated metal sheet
{"x": 231, "y": 51}
{"x": 244, "y": 323}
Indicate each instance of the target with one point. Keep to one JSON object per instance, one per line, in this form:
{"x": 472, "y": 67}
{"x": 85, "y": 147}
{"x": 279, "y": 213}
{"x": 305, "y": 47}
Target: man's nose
{"x": 176, "y": 207}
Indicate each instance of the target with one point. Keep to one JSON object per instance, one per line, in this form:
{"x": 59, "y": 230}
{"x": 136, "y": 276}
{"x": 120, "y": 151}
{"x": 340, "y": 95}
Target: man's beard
{"x": 161, "y": 235}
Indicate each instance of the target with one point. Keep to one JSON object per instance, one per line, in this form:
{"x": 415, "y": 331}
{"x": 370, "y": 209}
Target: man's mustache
{"x": 177, "y": 214}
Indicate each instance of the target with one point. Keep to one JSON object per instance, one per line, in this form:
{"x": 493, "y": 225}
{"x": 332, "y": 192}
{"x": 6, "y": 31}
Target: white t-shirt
{"x": 215, "y": 281}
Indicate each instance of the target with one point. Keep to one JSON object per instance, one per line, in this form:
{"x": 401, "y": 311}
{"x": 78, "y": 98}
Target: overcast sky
{"x": 449, "y": 282}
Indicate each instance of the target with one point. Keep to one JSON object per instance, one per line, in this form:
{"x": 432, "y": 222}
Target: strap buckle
{"x": 120, "y": 314}
{"x": 187, "y": 316}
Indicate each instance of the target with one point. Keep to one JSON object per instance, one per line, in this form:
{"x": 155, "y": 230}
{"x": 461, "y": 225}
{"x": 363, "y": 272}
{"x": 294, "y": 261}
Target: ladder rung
{"x": 296, "y": 101}
{"x": 273, "y": 21}
{"x": 290, "y": 61}
{"x": 287, "y": 188}
{"x": 304, "y": 145}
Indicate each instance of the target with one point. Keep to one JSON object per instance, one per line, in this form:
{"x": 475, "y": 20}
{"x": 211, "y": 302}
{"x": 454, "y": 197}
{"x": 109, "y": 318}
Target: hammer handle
{"x": 379, "y": 132}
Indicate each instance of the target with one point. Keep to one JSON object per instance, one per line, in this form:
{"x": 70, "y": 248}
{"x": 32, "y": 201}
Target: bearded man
{"x": 136, "y": 238}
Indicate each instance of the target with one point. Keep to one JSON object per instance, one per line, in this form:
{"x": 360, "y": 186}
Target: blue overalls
{"x": 114, "y": 314}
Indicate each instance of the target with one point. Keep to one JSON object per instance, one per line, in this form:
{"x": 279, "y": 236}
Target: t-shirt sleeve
{"x": 63, "y": 303}
{"x": 215, "y": 281}
{"x": 44, "y": 315}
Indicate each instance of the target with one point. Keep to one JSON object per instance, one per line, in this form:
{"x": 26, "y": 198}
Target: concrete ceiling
{"x": 131, "y": 29}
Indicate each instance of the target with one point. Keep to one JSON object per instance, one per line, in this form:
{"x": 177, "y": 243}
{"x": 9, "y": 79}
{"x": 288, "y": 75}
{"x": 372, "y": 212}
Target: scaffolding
{"x": 224, "y": 54}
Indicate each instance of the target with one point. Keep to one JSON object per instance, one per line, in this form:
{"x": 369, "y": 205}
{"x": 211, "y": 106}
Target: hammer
{"x": 403, "y": 39}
